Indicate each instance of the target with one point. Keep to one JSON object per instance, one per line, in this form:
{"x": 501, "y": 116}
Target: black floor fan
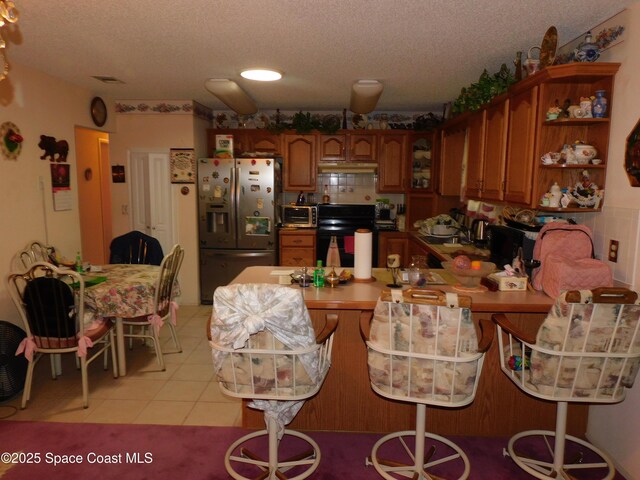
{"x": 13, "y": 369}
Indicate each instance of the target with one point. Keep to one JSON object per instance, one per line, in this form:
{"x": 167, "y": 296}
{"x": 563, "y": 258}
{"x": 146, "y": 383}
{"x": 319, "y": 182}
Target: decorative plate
{"x": 10, "y": 140}
{"x": 548, "y": 47}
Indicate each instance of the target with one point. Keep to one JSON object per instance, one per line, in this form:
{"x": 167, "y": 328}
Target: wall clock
{"x": 98, "y": 111}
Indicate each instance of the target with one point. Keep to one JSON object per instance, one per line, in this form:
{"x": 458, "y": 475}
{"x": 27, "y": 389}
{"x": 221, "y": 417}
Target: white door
{"x": 151, "y": 196}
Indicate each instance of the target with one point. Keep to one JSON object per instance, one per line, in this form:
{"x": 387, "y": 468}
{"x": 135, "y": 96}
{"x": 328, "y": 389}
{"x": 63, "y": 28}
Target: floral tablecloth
{"x": 128, "y": 292}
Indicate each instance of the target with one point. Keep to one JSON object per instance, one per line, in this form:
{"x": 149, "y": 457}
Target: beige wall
{"x": 160, "y": 133}
{"x": 616, "y": 428}
{"x": 38, "y": 104}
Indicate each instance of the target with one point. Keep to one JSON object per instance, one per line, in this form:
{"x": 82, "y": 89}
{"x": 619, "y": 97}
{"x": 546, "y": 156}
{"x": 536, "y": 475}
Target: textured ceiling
{"x": 423, "y": 51}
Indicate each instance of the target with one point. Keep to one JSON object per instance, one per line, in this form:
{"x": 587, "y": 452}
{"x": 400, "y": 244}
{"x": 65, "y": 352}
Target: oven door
{"x": 346, "y": 256}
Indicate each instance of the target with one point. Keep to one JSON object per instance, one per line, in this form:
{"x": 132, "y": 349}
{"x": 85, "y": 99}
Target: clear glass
{"x": 418, "y": 271}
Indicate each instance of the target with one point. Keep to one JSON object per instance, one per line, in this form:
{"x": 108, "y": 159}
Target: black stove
{"x": 342, "y": 221}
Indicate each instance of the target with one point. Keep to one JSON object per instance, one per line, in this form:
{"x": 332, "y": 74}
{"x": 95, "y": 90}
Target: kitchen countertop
{"x": 363, "y": 295}
{"x": 347, "y": 403}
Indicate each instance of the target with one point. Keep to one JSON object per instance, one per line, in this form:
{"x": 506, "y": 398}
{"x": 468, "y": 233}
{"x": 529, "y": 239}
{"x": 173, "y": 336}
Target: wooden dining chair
{"x": 164, "y": 308}
{"x": 51, "y": 304}
{"x": 135, "y": 248}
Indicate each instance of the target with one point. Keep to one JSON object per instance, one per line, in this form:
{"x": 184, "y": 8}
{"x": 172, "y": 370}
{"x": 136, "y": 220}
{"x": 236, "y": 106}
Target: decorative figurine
{"x": 587, "y": 51}
{"x": 599, "y": 105}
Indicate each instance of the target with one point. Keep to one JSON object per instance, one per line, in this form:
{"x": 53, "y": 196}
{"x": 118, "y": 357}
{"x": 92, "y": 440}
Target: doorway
{"x": 94, "y": 194}
{"x": 151, "y": 200}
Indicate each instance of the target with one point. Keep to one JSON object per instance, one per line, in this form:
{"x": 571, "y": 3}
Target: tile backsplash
{"x": 348, "y": 188}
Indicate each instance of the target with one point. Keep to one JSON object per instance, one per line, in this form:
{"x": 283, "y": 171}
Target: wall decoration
{"x": 61, "y": 186}
{"x": 632, "y": 156}
{"x": 98, "y": 111}
{"x": 56, "y": 150}
{"x": 10, "y": 140}
{"x": 183, "y": 165}
{"x": 606, "y": 35}
{"x": 117, "y": 174}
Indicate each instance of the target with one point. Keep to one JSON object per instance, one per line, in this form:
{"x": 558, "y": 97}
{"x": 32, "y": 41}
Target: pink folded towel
{"x": 348, "y": 245}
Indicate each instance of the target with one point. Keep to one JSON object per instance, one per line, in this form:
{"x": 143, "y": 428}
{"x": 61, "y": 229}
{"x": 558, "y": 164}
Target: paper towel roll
{"x": 363, "y": 244}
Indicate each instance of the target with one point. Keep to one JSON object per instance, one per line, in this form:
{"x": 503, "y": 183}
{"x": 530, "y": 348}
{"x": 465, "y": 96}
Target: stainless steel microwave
{"x": 300, "y": 216}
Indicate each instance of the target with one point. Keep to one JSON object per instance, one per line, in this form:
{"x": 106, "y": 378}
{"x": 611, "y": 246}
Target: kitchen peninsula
{"x": 347, "y": 403}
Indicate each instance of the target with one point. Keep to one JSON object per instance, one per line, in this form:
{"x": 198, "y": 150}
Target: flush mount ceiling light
{"x": 261, "y": 74}
{"x": 365, "y": 95}
{"x": 230, "y": 93}
{"x": 8, "y": 14}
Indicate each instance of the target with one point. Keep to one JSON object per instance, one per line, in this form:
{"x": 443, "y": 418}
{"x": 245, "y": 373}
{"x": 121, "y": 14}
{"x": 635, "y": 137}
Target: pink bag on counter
{"x": 567, "y": 260}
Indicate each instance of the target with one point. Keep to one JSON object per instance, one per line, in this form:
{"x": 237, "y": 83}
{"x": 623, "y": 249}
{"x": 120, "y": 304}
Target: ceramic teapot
{"x": 584, "y": 153}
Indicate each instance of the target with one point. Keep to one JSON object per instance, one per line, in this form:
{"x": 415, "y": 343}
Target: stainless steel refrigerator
{"x": 238, "y": 217}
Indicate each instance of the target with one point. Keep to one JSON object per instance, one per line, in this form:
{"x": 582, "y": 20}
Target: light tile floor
{"x": 184, "y": 394}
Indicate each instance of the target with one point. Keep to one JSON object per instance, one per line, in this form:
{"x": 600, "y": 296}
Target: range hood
{"x": 347, "y": 167}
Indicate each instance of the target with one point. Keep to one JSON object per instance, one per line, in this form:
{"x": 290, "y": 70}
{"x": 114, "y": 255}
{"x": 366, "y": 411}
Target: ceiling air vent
{"x": 110, "y": 80}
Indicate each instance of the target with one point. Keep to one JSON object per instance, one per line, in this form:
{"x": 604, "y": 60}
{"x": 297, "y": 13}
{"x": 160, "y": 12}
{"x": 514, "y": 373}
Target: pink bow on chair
{"x": 174, "y": 313}
{"x": 84, "y": 343}
{"x": 28, "y": 346}
{"x": 156, "y": 321}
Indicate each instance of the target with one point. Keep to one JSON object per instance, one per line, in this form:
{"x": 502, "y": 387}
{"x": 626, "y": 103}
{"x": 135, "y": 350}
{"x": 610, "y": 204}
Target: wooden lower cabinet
{"x": 393, "y": 242}
{"x": 347, "y": 403}
{"x": 298, "y": 248}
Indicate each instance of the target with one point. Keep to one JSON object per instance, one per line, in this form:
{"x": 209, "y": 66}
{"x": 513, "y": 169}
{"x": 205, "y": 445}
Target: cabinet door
{"x": 393, "y": 242}
{"x": 452, "y": 147}
{"x": 495, "y": 151}
{"x": 392, "y": 165}
{"x": 422, "y": 161}
{"x": 299, "y": 163}
{"x": 263, "y": 141}
{"x": 332, "y": 148}
{"x": 362, "y": 147}
{"x": 475, "y": 154}
{"x": 520, "y": 146}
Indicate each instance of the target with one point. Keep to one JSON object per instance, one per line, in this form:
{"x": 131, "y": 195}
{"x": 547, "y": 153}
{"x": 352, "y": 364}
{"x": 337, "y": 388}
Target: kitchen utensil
{"x": 479, "y": 231}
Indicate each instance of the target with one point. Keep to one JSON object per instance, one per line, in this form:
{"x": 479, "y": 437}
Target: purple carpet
{"x": 156, "y": 452}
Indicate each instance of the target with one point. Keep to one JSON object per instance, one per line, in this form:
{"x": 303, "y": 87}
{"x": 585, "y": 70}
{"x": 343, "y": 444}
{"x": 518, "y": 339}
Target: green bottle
{"x": 79, "y": 268}
{"x": 318, "y": 275}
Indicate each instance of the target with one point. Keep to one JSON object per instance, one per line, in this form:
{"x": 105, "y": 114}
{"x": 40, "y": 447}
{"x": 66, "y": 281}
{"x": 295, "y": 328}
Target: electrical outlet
{"x": 614, "y": 250}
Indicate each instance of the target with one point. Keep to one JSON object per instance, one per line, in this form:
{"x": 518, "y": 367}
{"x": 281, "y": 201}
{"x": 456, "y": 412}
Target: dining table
{"x": 120, "y": 291}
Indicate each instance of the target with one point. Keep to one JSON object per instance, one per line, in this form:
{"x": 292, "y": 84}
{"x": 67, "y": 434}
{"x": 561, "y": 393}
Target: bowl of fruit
{"x": 468, "y": 273}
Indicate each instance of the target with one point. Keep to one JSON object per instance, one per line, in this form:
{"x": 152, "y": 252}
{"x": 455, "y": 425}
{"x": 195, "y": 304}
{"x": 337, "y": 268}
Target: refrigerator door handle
{"x": 234, "y": 204}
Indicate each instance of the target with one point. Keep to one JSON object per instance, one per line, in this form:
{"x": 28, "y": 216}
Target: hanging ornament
{"x": 10, "y": 141}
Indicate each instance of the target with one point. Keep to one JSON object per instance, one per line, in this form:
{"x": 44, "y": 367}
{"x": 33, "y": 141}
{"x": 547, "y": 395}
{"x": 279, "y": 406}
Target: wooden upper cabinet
{"x": 520, "y": 146}
{"x": 263, "y": 141}
{"x": 392, "y": 163}
{"x": 332, "y": 148}
{"x": 299, "y": 162}
{"x": 246, "y": 140}
{"x": 363, "y": 147}
{"x": 495, "y": 150}
{"x": 475, "y": 154}
{"x": 452, "y": 150}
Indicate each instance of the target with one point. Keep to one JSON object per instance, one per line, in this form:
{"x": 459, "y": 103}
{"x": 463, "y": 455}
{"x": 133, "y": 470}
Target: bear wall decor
{"x": 53, "y": 147}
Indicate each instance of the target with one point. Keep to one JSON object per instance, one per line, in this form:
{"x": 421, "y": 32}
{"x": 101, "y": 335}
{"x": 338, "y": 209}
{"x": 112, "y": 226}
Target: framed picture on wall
{"x": 183, "y": 165}
{"x": 117, "y": 174}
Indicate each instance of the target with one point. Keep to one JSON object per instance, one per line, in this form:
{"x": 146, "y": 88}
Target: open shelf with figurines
{"x": 573, "y": 136}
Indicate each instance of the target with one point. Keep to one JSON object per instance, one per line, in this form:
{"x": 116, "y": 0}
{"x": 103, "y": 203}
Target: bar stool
{"x": 265, "y": 349}
{"x": 423, "y": 348}
{"x": 587, "y": 350}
